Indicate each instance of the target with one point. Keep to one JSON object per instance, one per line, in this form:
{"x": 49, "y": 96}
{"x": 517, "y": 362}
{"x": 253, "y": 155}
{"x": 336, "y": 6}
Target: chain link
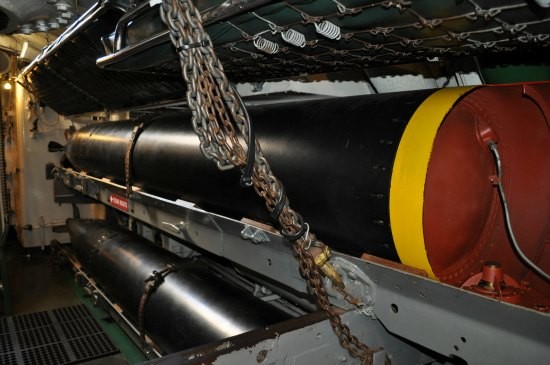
{"x": 315, "y": 281}
{"x": 216, "y": 109}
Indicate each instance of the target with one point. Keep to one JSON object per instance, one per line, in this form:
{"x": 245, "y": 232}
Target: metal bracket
{"x": 358, "y": 285}
{"x": 254, "y": 234}
{"x": 89, "y": 188}
{"x": 179, "y": 227}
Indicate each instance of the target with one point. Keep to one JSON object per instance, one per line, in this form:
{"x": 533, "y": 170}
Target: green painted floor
{"x": 129, "y": 350}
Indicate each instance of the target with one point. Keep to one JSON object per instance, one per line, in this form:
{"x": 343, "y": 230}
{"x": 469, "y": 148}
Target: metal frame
{"x": 210, "y": 15}
{"x": 302, "y": 341}
{"x": 222, "y": 236}
{"x": 99, "y": 298}
{"x": 445, "y": 319}
{"x": 85, "y": 19}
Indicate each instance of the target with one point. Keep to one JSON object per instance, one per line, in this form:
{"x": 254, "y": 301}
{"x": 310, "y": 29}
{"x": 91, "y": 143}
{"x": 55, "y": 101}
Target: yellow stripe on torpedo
{"x": 409, "y": 176}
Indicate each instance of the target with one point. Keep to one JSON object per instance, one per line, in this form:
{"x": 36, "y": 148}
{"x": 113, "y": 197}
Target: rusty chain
{"x": 216, "y": 108}
{"x": 315, "y": 281}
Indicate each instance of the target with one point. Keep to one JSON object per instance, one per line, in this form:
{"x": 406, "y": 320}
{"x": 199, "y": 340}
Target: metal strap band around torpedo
{"x": 151, "y": 285}
{"x": 128, "y": 157}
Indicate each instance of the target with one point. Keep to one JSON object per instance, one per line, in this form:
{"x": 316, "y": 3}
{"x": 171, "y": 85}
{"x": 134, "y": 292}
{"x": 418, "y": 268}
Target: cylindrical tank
{"x": 405, "y": 176}
{"x": 334, "y": 157}
{"x": 191, "y": 307}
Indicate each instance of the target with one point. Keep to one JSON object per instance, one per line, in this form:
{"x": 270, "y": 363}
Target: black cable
{"x": 478, "y": 69}
{"x": 246, "y": 178}
{"x": 278, "y": 208}
{"x": 369, "y": 81}
{"x": 299, "y": 234}
{"x": 494, "y": 149}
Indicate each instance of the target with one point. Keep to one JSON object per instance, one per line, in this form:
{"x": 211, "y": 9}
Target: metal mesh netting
{"x": 289, "y": 38}
{"x": 293, "y": 38}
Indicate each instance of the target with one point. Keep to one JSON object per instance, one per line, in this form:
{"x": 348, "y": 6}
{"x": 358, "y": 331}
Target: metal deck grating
{"x": 87, "y": 347}
{"x": 33, "y": 320}
{"x": 54, "y": 353}
{"x": 8, "y": 358}
{"x": 62, "y": 336}
{"x": 71, "y": 313}
{"x": 4, "y": 326}
{"x": 6, "y": 345}
{"x": 80, "y": 328}
{"x": 37, "y": 337}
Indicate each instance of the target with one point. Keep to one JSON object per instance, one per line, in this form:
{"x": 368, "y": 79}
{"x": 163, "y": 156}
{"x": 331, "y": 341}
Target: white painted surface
{"x": 33, "y": 194}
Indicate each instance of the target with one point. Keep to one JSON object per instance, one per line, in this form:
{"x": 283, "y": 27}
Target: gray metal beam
{"x": 445, "y": 319}
{"x": 455, "y": 322}
{"x": 302, "y": 341}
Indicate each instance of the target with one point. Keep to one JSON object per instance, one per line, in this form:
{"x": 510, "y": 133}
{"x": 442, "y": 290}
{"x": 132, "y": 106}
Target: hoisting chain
{"x": 216, "y": 108}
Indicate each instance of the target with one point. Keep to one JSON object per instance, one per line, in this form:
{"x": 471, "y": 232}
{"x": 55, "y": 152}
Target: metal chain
{"x": 216, "y": 108}
{"x": 315, "y": 281}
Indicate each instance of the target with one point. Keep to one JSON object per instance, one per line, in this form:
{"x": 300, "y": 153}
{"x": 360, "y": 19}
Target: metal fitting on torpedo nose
{"x": 322, "y": 262}
{"x": 317, "y": 249}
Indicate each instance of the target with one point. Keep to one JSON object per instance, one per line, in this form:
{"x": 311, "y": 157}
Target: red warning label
{"x": 118, "y": 202}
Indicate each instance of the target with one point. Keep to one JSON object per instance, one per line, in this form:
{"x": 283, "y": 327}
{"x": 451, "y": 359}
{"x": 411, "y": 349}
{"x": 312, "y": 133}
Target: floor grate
{"x": 4, "y": 325}
{"x": 53, "y": 353}
{"x": 62, "y": 336}
{"x": 31, "y": 321}
{"x": 71, "y": 313}
{"x": 8, "y": 359}
{"x": 5, "y": 344}
{"x": 80, "y": 328}
{"x": 39, "y": 336}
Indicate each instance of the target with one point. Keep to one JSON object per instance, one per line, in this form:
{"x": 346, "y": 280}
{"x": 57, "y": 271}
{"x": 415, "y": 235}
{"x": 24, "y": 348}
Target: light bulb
{"x": 7, "y": 85}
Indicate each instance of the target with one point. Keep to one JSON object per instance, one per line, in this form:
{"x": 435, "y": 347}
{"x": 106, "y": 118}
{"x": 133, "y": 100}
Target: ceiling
{"x": 280, "y": 39}
{"x": 32, "y": 16}
{"x": 363, "y": 33}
